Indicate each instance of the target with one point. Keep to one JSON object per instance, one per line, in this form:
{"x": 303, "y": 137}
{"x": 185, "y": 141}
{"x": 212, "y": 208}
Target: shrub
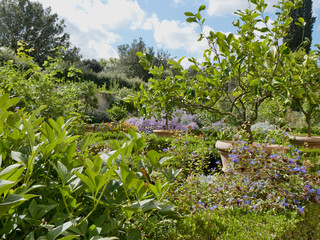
{"x": 37, "y": 87}
{"x": 116, "y": 113}
{"x": 53, "y": 184}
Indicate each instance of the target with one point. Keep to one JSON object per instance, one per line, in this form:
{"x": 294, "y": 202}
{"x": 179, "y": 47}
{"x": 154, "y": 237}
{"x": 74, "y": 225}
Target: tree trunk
{"x": 308, "y": 120}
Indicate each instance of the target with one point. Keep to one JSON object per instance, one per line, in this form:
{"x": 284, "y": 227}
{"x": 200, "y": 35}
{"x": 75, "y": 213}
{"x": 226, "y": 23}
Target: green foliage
{"x": 302, "y": 89}
{"x": 128, "y": 62}
{"x": 239, "y": 72}
{"x": 116, "y": 113}
{"x": 39, "y": 87}
{"x": 120, "y": 78}
{"x": 300, "y": 31}
{"x": 234, "y": 224}
{"x": 53, "y": 186}
{"x": 24, "y": 20}
{"x": 160, "y": 98}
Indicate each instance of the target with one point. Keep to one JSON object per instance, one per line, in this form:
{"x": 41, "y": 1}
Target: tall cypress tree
{"x": 297, "y": 34}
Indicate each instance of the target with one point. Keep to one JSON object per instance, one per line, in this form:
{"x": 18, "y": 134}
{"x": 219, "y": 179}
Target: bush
{"x": 116, "y": 113}
{"x": 37, "y": 87}
{"x": 53, "y": 184}
{"x": 120, "y": 78}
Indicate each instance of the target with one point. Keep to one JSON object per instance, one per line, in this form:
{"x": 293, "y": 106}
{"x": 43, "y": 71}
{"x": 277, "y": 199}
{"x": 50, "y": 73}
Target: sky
{"x": 98, "y": 27}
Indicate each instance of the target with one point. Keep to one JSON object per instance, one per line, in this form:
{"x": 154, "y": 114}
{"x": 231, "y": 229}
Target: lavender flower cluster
{"x": 180, "y": 121}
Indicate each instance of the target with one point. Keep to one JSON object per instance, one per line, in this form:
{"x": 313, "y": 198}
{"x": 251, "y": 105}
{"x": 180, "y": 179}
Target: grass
{"x": 235, "y": 224}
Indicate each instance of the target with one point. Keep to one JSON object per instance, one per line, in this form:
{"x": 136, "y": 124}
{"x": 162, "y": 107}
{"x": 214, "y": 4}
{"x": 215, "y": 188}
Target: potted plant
{"x": 158, "y": 100}
{"x": 303, "y": 90}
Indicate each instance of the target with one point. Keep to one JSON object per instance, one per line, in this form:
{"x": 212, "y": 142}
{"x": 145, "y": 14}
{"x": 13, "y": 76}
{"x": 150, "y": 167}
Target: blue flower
{"x": 273, "y": 155}
{"x": 311, "y": 190}
{"x": 300, "y": 209}
{"x": 303, "y": 170}
{"x": 213, "y": 207}
{"x": 209, "y": 149}
{"x": 201, "y": 203}
{"x": 235, "y": 160}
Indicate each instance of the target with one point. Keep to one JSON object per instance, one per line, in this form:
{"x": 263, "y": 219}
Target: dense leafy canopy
{"x": 129, "y": 62}
{"x": 23, "y": 20}
{"x": 299, "y": 32}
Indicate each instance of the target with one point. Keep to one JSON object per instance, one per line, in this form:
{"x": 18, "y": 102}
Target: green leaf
{"x": 86, "y": 180}
{"x": 134, "y": 235}
{"x": 19, "y": 157}
{"x": 201, "y": 8}
{"x": 189, "y": 14}
{"x": 191, "y": 19}
{"x": 153, "y": 158}
{"x": 301, "y": 20}
{"x": 54, "y": 233}
{"x": 12, "y": 172}
{"x": 11, "y": 201}
{"x": 6, "y": 185}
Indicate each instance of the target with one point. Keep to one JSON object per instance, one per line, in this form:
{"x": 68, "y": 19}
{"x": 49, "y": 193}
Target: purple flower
{"x": 300, "y": 209}
{"x": 213, "y": 207}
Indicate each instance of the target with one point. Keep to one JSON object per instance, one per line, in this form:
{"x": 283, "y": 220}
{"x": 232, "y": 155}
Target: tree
{"x": 299, "y": 31}
{"x": 129, "y": 61}
{"x": 93, "y": 65}
{"x": 23, "y": 20}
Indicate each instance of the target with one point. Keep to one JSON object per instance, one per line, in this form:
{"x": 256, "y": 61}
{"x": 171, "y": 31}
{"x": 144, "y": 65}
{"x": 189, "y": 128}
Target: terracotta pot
{"x": 308, "y": 142}
{"x": 89, "y": 127}
{"x": 224, "y": 148}
{"x": 166, "y": 133}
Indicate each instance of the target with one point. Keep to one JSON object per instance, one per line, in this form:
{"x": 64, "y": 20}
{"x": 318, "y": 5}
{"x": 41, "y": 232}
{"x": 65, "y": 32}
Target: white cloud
{"x": 174, "y": 35}
{"x": 91, "y": 23}
{"x": 223, "y": 7}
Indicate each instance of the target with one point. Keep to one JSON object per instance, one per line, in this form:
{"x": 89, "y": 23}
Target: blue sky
{"x": 99, "y": 26}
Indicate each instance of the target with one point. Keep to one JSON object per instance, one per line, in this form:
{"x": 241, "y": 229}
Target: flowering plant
{"x": 256, "y": 181}
{"x": 180, "y": 120}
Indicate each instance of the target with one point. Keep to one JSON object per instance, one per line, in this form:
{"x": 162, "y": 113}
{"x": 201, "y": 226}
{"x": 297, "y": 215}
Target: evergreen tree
{"x": 128, "y": 62}
{"x": 23, "y": 20}
{"x": 297, "y": 34}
